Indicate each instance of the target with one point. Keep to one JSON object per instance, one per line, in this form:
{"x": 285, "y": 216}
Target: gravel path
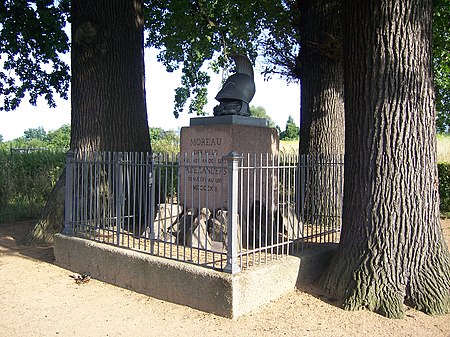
{"x": 38, "y": 298}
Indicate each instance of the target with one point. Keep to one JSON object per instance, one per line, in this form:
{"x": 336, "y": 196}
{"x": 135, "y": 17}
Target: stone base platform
{"x": 182, "y": 283}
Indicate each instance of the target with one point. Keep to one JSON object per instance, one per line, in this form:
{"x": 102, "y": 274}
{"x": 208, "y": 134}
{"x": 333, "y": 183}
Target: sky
{"x": 278, "y": 98}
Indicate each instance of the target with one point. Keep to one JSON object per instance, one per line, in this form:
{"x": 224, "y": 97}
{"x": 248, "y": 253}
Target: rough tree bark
{"x": 322, "y": 126}
{"x": 392, "y": 250}
{"x": 322, "y": 77}
{"x": 108, "y": 90}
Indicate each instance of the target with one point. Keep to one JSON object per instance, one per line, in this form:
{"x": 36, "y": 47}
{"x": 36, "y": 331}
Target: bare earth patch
{"x": 38, "y": 298}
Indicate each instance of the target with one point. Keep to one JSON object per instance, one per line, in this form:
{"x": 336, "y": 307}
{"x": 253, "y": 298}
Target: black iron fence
{"x": 227, "y": 213}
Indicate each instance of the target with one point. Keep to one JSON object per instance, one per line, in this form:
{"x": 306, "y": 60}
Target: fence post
{"x": 233, "y": 160}
{"x": 119, "y": 197}
{"x": 68, "y": 198}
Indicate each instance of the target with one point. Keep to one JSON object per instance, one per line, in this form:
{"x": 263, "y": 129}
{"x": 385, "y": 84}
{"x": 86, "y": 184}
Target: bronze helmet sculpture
{"x": 238, "y": 90}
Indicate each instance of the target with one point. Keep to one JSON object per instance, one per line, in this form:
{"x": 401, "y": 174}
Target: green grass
{"x": 289, "y": 146}
{"x": 443, "y": 148}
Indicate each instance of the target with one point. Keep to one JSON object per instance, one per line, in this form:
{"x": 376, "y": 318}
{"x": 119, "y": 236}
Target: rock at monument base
{"x": 291, "y": 226}
{"x": 166, "y": 215}
{"x": 166, "y": 237}
{"x": 199, "y": 237}
{"x": 184, "y": 225}
{"x": 218, "y": 229}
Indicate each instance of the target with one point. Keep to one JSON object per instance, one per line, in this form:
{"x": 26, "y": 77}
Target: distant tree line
{"x": 163, "y": 141}
{"x": 39, "y": 138}
{"x": 291, "y": 131}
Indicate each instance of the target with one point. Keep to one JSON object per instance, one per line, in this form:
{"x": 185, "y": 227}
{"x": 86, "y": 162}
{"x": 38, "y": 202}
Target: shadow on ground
{"x": 12, "y": 236}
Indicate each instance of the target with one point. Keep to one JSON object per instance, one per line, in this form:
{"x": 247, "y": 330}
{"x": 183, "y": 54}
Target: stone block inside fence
{"x": 166, "y": 215}
{"x": 198, "y": 235}
{"x": 292, "y": 227}
{"x": 218, "y": 229}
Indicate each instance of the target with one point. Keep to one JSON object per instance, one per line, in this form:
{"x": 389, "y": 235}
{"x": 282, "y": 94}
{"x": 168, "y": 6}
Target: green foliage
{"x": 32, "y": 40}
{"x": 37, "y": 133}
{"x": 260, "y": 112}
{"x": 59, "y": 139}
{"x": 166, "y": 176}
{"x": 165, "y": 142}
{"x": 26, "y": 180}
{"x": 189, "y": 33}
{"x": 22, "y": 143}
{"x": 38, "y": 138}
{"x": 441, "y": 63}
{"x": 156, "y": 134}
{"x": 444, "y": 186}
{"x": 291, "y": 132}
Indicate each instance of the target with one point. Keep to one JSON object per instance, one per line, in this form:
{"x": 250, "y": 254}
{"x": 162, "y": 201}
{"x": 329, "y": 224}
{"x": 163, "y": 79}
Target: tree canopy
{"x": 35, "y": 133}
{"x": 441, "y": 63}
{"x": 291, "y": 132}
{"x": 39, "y": 138}
{"x": 32, "y": 40}
{"x": 190, "y": 33}
{"x": 260, "y": 112}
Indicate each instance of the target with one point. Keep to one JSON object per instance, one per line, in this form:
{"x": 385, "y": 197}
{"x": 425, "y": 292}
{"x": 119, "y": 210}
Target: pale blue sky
{"x": 278, "y": 98}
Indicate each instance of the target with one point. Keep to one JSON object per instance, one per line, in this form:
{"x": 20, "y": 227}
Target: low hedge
{"x": 26, "y": 181}
{"x": 444, "y": 187}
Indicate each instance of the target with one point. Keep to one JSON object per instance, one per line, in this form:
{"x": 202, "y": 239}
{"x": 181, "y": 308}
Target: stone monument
{"x": 203, "y": 145}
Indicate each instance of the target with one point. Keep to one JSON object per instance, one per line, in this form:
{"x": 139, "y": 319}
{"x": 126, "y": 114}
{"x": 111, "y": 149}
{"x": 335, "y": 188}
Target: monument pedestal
{"x": 203, "y": 172}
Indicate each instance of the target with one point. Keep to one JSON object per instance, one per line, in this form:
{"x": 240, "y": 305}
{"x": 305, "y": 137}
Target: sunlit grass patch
{"x": 289, "y": 146}
{"x": 443, "y": 148}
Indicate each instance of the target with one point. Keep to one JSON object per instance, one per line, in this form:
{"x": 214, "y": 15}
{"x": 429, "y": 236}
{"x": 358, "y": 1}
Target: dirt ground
{"x": 37, "y": 298}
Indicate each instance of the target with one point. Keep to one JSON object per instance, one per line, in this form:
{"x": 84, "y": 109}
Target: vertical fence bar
{"x": 68, "y": 226}
{"x": 119, "y": 193}
{"x": 233, "y": 160}
{"x": 151, "y": 202}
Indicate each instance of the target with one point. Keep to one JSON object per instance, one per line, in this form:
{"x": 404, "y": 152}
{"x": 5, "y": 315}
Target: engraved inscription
{"x": 209, "y": 175}
{"x": 206, "y": 141}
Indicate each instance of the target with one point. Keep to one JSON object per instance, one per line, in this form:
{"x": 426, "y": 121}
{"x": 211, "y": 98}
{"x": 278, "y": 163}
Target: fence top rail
{"x": 248, "y": 160}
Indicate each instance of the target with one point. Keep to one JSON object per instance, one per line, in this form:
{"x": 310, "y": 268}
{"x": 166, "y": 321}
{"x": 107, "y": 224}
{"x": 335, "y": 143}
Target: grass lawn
{"x": 289, "y": 146}
{"x": 443, "y": 148}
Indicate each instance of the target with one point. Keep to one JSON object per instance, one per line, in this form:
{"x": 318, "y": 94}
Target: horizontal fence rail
{"x": 223, "y": 212}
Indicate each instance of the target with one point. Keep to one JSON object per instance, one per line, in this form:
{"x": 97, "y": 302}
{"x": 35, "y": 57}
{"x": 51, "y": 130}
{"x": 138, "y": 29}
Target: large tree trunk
{"x": 322, "y": 77}
{"x": 392, "y": 250}
{"x": 322, "y": 126}
{"x": 107, "y": 94}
